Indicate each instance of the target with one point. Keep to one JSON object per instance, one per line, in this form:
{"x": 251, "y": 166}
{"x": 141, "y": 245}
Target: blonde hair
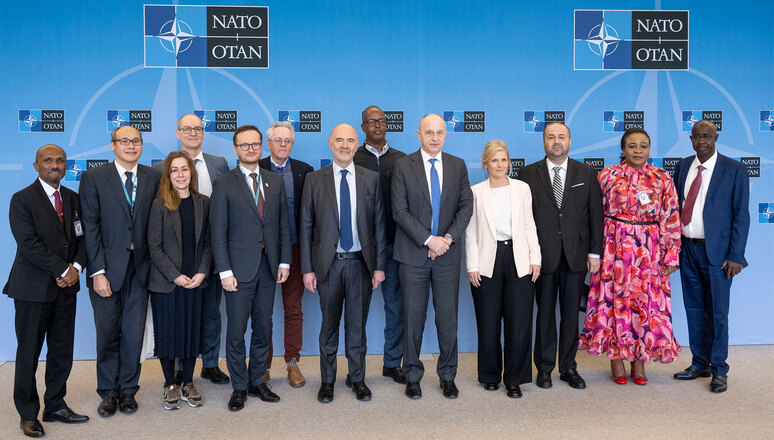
{"x": 493, "y": 147}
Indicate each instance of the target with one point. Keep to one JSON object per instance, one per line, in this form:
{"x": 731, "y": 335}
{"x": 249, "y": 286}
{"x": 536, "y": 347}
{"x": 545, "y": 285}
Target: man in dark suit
{"x": 190, "y": 132}
{"x": 115, "y": 203}
{"x": 432, "y": 204}
{"x": 44, "y": 283}
{"x": 343, "y": 251}
{"x": 251, "y": 248}
{"x": 280, "y": 137}
{"x": 567, "y": 206}
{"x": 714, "y": 193}
{"x": 377, "y": 156}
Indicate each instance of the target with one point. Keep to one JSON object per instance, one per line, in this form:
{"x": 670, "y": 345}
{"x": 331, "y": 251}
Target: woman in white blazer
{"x": 503, "y": 262}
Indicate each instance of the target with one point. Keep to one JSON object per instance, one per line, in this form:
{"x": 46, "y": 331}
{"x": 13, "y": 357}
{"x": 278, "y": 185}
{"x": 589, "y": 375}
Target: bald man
{"x": 343, "y": 254}
{"x": 43, "y": 283}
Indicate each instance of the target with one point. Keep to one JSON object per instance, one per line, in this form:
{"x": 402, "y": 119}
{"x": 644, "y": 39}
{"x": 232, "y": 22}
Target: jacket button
{"x": 130, "y": 228}
{"x": 560, "y": 214}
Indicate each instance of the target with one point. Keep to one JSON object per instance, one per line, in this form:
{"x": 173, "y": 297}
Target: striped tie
{"x": 558, "y": 190}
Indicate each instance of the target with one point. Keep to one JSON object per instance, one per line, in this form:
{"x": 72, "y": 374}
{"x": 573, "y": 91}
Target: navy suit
{"x": 706, "y": 289}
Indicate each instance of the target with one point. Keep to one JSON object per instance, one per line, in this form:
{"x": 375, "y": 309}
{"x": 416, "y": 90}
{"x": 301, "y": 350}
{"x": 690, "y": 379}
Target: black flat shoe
{"x": 719, "y": 384}
{"x": 413, "y": 390}
{"x": 127, "y": 404}
{"x": 450, "y": 390}
{"x": 64, "y": 415}
{"x": 237, "y": 400}
{"x": 263, "y": 392}
{"x": 32, "y": 428}
{"x": 692, "y": 373}
{"x": 491, "y": 386}
{"x": 362, "y": 392}
{"x": 108, "y": 406}
{"x": 513, "y": 391}
{"x": 396, "y": 373}
{"x": 325, "y": 395}
{"x": 574, "y": 379}
{"x": 543, "y": 380}
{"x": 214, "y": 375}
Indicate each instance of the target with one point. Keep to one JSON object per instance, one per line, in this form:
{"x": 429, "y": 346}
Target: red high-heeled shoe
{"x": 639, "y": 380}
{"x": 620, "y": 380}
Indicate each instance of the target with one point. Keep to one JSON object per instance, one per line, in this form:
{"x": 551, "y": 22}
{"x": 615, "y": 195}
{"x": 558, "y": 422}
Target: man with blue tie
{"x": 343, "y": 252}
{"x": 714, "y": 193}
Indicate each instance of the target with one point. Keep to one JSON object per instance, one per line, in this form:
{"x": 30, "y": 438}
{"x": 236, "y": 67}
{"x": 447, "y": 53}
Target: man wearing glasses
{"x": 251, "y": 247}
{"x": 115, "y": 202}
{"x": 280, "y": 138}
{"x": 190, "y": 132}
{"x": 377, "y": 156}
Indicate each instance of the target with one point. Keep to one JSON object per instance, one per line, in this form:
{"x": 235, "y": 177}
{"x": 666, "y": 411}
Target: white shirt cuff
{"x": 99, "y": 272}
{"x": 77, "y": 266}
{"x": 225, "y": 274}
{"x": 473, "y": 269}
{"x": 593, "y": 255}
{"x": 284, "y": 266}
{"x": 65, "y": 272}
{"x": 428, "y": 240}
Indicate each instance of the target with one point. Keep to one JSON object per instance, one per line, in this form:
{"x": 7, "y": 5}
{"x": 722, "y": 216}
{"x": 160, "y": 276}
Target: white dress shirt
{"x": 352, "y": 202}
{"x": 439, "y": 168}
{"x": 50, "y": 190}
{"x": 204, "y": 182}
{"x": 501, "y": 199}
{"x": 563, "y": 178}
{"x": 695, "y": 229}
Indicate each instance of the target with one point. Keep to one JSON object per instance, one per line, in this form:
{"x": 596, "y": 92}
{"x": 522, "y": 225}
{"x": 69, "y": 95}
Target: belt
{"x": 505, "y": 242}
{"x": 632, "y": 222}
{"x": 699, "y": 241}
{"x": 349, "y": 255}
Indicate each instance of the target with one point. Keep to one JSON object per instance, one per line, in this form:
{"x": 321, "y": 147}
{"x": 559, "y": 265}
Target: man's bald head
{"x": 49, "y": 148}
{"x": 50, "y": 163}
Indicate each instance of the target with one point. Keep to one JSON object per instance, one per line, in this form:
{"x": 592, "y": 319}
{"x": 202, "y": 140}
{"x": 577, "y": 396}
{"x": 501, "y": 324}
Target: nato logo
{"x": 304, "y": 121}
{"x": 767, "y": 120}
{"x": 598, "y": 163}
{"x": 753, "y": 165}
{"x": 516, "y": 166}
{"x": 535, "y": 121}
{"x": 620, "y": 121}
{"x": 668, "y": 164}
{"x": 765, "y": 212}
{"x": 691, "y": 117}
{"x": 630, "y": 40}
{"x": 74, "y": 170}
{"x": 218, "y": 120}
{"x": 206, "y": 36}
{"x": 394, "y": 121}
{"x": 139, "y": 119}
{"x": 33, "y": 121}
{"x": 464, "y": 121}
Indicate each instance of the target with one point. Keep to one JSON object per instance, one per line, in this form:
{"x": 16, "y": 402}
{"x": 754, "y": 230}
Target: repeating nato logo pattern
{"x": 33, "y": 121}
{"x": 535, "y": 121}
{"x": 218, "y": 120}
{"x": 464, "y": 121}
{"x": 206, "y": 36}
{"x": 139, "y": 119}
{"x": 75, "y": 168}
{"x": 630, "y": 40}
{"x": 766, "y": 213}
{"x": 620, "y": 121}
{"x": 691, "y": 117}
{"x": 767, "y": 120}
{"x": 304, "y": 121}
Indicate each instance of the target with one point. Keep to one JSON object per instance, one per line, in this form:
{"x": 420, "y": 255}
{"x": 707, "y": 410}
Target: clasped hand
{"x": 438, "y": 246}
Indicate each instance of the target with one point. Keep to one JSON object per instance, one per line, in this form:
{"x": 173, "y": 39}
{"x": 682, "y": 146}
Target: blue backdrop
{"x": 514, "y": 61}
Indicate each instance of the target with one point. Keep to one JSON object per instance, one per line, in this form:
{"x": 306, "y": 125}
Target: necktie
{"x": 345, "y": 214}
{"x": 558, "y": 190}
{"x": 129, "y": 187}
{"x": 690, "y": 200}
{"x": 58, "y": 206}
{"x": 257, "y": 192}
{"x": 435, "y": 194}
{"x": 279, "y": 169}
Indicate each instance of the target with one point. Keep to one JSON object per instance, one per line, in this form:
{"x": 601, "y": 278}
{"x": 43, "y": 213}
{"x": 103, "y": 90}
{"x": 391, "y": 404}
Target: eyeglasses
{"x": 375, "y": 122}
{"x": 187, "y": 130}
{"x": 703, "y": 137}
{"x": 246, "y": 146}
{"x": 126, "y": 141}
{"x": 279, "y": 141}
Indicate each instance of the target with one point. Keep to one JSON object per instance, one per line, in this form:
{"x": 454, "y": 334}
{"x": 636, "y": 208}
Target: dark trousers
{"x": 706, "y": 295}
{"x": 292, "y": 294}
{"x": 416, "y": 282}
{"x": 120, "y": 324}
{"x": 568, "y": 284}
{"x": 253, "y": 300}
{"x": 347, "y": 286}
{"x": 211, "y": 322}
{"x": 508, "y": 299}
{"x": 54, "y": 321}
{"x": 393, "y": 313}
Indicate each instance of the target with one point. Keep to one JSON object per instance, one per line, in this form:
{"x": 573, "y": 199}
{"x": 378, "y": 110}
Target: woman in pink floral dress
{"x": 629, "y": 313}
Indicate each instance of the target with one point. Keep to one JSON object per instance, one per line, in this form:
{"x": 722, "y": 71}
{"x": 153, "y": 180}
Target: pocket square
{"x": 578, "y": 184}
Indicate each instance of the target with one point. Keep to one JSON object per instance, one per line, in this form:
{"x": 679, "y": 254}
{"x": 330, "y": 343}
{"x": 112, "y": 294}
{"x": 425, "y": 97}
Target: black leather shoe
{"x": 108, "y": 406}
{"x": 572, "y": 377}
{"x": 491, "y": 386}
{"x": 325, "y": 395}
{"x": 65, "y": 415}
{"x": 32, "y": 428}
{"x": 719, "y": 384}
{"x": 413, "y": 390}
{"x": 362, "y": 392}
{"x": 237, "y": 400}
{"x": 514, "y": 392}
{"x": 692, "y": 373}
{"x": 263, "y": 392}
{"x": 348, "y": 382}
{"x": 544, "y": 380}
{"x": 215, "y": 375}
{"x": 178, "y": 378}
{"x": 450, "y": 390}
{"x": 127, "y": 404}
{"x": 396, "y": 373}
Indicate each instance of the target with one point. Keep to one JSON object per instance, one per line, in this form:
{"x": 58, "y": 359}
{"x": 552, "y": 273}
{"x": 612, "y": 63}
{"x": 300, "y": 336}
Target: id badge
{"x": 78, "y": 228}
{"x": 643, "y": 197}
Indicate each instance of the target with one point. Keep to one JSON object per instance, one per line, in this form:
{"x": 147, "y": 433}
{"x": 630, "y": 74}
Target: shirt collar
{"x": 271, "y": 158}
{"x": 247, "y": 172}
{"x": 199, "y": 156}
{"x": 551, "y": 165}
{"x": 375, "y": 151}
{"x": 122, "y": 171}
{"x": 50, "y": 190}
{"x": 426, "y": 157}
{"x": 337, "y": 169}
{"x": 708, "y": 165}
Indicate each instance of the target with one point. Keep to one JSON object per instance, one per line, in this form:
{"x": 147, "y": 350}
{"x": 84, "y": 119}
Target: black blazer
{"x": 44, "y": 249}
{"x": 577, "y": 225}
{"x": 300, "y": 170}
{"x": 110, "y": 229}
{"x": 320, "y": 221}
{"x": 165, "y": 243}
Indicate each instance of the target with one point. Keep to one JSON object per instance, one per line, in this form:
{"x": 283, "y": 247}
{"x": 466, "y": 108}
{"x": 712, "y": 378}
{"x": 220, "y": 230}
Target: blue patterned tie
{"x": 129, "y": 185}
{"x": 345, "y": 214}
{"x": 435, "y": 194}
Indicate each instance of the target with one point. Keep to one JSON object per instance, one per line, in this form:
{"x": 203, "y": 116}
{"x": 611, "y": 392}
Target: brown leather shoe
{"x": 295, "y": 378}
{"x": 266, "y": 376}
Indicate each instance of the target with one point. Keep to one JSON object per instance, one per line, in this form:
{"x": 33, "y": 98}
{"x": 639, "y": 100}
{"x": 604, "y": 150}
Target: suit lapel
{"x": 245, "y": 190}
{"x": 447, "y": 176}
{"x": 176, "y": 225}
{"x": 360, "y": 200}
{"x": 142, "y": 187}
{"x": 298, "y": 181}
{"x": 67, "y": 209}
{"x": 568, "y": 179}
{"x": 486, "y": 201}
{"x": 330, "y": 188}
{"x": 546, "y": 180}
{"x": 680, "y": 182}
{"x": 418, "y": 166}
{"x": 717, "y": 174}
{"x": 114, "y": 181}
{"x": 47, "y": 202}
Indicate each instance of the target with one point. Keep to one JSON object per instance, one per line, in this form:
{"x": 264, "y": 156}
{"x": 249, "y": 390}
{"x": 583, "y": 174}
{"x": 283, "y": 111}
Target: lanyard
{"x": 258, "y": 189}
{"x": 130, "y": 200}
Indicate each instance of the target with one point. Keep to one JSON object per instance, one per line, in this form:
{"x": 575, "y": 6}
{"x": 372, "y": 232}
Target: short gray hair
{"x": 289, "y": 126}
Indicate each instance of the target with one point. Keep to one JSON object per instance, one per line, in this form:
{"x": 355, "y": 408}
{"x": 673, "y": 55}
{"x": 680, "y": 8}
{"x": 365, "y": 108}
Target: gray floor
{"x": 665, "y": 408}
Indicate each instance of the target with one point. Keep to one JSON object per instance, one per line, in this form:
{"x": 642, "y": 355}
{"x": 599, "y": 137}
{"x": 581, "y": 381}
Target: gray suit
{"x": 252, "y": 248}
{"x": 412, "y": 210}
{"x": 342, "y": 281}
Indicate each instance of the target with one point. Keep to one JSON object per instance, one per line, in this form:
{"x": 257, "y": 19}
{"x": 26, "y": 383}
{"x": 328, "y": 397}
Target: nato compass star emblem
{"x": 534, "y": 121}
{"x": 767, "y": 213}
{"x": 75, "y": 170}
{"x": 290, "y": 119}
{"x": 453, "y": 122}
{"x": 613, "y": 120}
{"x": 769, "y": 121}
{"x": 205, "y": 121}
{"x": 692, "y": 120}
{"x": 118, "y": 121}
{"x": 30, "y": 121}
{"x": 175, "y": 36}
{"x": 603, "y": 39}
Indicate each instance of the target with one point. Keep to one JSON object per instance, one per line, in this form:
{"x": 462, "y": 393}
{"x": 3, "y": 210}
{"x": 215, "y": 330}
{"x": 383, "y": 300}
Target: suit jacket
{"x": 216, "y": 166}
{"x": 44, "y": 249}
{"x": 577, "y": 225}
{"x": 110, "y": 228}
{"x": 165, "y": 243}
{"x": 412, "y": 208}
{"x": 385, "y": 166}
{"x": 320, "y": 221}
{"x": 480, "y": 239}
{"x": 726, "y": 216}
{"x": 237, "y": 229}
{"x": 300, "y": 170}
